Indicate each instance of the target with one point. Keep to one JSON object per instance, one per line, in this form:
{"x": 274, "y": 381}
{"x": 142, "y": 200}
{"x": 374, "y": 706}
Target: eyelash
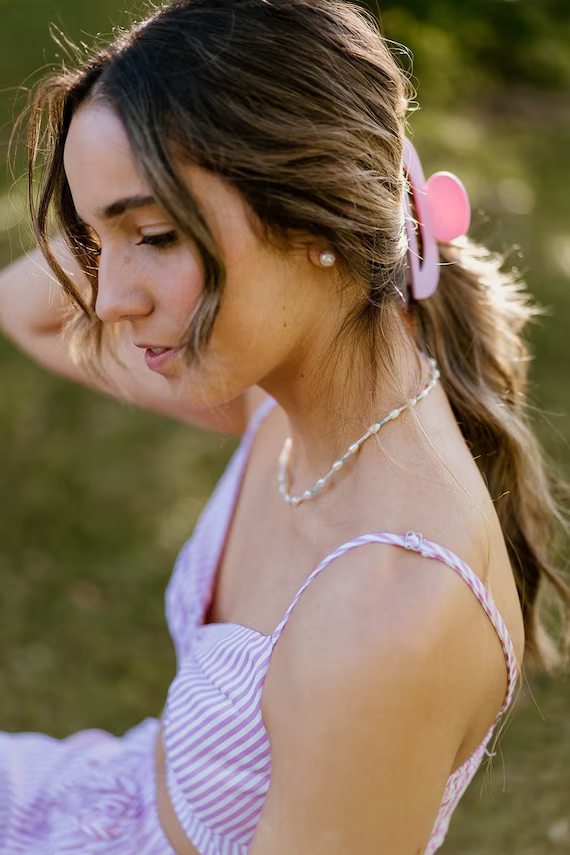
{"x": 162, "y": 241}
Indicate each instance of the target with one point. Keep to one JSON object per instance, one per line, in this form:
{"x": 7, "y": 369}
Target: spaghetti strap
{"x": 429, "y": 549}
{"x": 223, "y": 499}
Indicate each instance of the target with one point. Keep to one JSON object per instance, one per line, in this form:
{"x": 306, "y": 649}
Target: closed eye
{"x": 160, "y": 241}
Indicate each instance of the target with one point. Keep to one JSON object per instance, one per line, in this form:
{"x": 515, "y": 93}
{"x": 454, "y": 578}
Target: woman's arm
{"x": 32, "y": 313}
{"x": 376, "y": 691}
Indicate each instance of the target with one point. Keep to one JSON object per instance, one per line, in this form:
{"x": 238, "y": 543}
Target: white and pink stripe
{"x": 217, "y": 747}
{"x": 94, "y": 793}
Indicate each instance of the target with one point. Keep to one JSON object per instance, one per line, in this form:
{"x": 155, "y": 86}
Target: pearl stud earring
{"x": 328, "y": 258}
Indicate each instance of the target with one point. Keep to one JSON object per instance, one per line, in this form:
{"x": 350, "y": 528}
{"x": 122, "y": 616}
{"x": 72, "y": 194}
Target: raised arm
{"x": 32, "y": 312}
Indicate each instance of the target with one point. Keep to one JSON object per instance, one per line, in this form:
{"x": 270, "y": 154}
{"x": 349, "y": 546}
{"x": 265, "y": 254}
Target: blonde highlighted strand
{"x": 316, "y": 150}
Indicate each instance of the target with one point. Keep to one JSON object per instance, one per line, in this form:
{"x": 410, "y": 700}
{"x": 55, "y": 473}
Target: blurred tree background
{"x": 96, "y": 497}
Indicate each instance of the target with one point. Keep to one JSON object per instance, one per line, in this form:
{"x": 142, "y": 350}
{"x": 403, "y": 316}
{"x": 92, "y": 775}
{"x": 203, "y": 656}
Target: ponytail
{"x": 472, "y": 325}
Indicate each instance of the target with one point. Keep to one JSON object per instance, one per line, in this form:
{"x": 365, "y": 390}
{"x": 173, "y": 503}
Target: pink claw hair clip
{"x": 443, "y": 213}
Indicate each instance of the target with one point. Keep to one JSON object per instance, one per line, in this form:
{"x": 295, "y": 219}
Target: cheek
{"x": 185, "y": 297}
{"x": 247, "y": 334}
{"x": 182, "y": 287}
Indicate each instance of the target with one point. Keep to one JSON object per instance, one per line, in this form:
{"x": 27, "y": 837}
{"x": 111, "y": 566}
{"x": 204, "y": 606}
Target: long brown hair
{"x": 301, "y": 107}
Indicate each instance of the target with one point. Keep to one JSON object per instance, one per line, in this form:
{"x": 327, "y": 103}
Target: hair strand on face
{"x": 316, "y": 149}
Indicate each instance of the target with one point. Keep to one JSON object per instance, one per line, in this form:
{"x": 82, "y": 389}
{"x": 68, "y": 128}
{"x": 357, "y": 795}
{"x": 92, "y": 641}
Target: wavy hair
{"x": 301, "y": 106}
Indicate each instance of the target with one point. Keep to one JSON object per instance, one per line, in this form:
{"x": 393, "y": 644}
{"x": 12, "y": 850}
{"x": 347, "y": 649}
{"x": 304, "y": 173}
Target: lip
{"x": 152, "y": 346}
{"x": 156, "y": 361}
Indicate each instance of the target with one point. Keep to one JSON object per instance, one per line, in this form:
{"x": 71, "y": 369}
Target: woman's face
{"x": 151, "y": 280}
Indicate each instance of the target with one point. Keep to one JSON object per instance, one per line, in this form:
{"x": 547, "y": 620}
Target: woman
{"x": 230, "y": 184}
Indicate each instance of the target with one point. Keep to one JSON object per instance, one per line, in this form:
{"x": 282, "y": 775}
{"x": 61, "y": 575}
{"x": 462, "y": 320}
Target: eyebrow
{"x": 121, "y": 206}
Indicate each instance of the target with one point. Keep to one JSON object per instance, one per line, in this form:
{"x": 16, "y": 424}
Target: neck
{"x": 326, "y": 417}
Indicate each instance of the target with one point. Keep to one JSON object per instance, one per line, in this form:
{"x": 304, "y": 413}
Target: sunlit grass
{"x": 96, "y": 497}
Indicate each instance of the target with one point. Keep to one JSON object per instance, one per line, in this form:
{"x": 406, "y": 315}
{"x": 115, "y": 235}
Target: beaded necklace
{"x": 283, "y": 475}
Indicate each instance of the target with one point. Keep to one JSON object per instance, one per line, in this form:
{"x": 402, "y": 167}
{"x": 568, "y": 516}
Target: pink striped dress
{"x": 94, "y": 792}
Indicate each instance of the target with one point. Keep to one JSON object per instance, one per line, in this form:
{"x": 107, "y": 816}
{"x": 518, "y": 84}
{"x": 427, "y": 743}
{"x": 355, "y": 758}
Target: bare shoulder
{"x": 379, "y": 613}
{"x": 374, "y": 689}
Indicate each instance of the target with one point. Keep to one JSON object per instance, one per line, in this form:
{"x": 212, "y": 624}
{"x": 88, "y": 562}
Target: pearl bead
{"x": 284, "y": 456}
{"x": 328, "y": 259}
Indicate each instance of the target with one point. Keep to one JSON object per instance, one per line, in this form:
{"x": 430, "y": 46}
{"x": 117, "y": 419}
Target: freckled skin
{"x": 277, "y": 317}
{"x": 277, "y": 314}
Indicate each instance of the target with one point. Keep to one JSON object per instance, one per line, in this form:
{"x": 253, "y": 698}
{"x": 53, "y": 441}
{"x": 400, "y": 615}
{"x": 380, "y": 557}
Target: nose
{"x": 121, "y": 294}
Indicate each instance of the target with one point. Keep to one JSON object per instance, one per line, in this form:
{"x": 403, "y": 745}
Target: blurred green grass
{"x": 96, "y": 497}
